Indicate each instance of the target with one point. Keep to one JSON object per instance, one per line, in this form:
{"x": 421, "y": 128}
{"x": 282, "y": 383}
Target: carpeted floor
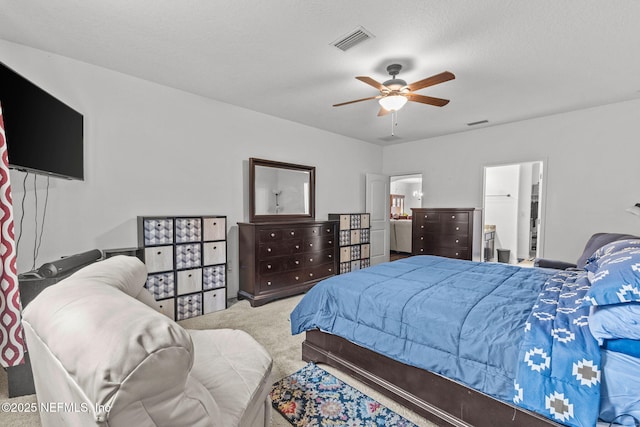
{"x": 269, "y": 325}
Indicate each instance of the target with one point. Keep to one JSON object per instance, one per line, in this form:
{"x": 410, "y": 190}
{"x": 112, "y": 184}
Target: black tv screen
{"x": 43, "y": 134}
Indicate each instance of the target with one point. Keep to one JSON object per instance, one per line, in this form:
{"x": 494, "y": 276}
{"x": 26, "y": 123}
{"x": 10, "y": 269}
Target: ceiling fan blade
{"x": 430, "y": 81}
{"x": 356, "y": 100}
{"x": 383, "y": 112}
{"x": 371, "y": 82}
{"x": 438, "y": 102}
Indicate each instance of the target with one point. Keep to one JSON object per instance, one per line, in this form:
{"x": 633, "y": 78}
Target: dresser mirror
{"x": 280, "y": 191}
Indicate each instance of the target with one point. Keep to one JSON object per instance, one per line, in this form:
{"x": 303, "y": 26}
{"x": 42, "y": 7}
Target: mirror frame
{"x": 253, "y": 217}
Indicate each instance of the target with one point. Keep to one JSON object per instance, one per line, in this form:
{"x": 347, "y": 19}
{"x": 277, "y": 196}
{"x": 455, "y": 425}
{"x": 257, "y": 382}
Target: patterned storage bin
{"x": 355, "y": 221}
{"x": 213, "y": 277}
{"x": 161, "y": 285}
{"x": 345, "y": 267}
{"x": 189, "y": 306}
{"x": 188, "y": 230}
{"x": 365, "y": 263}
{"x": 355, "y": 252}
{"x": 364, "y": 235}
{"x": 188, "y": 256}
{"x": 158, "y": 231}
{"x": 345, "y": 237}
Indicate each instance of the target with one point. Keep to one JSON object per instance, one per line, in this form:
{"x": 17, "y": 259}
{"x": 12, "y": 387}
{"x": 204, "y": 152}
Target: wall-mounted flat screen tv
{"x": 44, "y": 135}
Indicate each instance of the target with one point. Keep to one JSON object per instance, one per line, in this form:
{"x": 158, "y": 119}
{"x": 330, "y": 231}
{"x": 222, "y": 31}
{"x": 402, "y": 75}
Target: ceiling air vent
{"x": 353, "y": 38}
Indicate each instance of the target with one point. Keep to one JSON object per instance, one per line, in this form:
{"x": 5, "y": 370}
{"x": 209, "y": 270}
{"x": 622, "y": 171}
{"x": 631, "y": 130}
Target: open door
{"x": 377, "y": 204}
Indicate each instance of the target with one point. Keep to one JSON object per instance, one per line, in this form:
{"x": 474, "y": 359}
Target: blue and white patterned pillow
{"x": 616, "y": 280}
{"x": 593, "y": 261}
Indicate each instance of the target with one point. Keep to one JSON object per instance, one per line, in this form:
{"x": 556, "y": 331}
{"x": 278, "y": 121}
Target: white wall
{"x": 153, "y": 150}
{"x": 591, "y": 160}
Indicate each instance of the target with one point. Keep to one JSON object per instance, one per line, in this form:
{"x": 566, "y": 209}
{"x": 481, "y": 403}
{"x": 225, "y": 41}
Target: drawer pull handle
{"x": 330, "y": 270}
{"x": 160, "y": 279}
{"x": 310, "y": 274}
{"x": 426, "y": 216}
{"x": 330, "y": 241}
{"x": 159, "y": 253}
{"x": 421, "y": 237}
{"x": 268, "y": 249}
{"x": 268, "y": 283}
{"x": 269, "y": 266}
{"x": 330, "y": 256}
{"x": 421, "y": 250}
{"x": 315, "y": 231}
{"x": 457, "y": 241}
{"x": 328, "y": 230}
{"x": 190, "y": 275}
{"x": 293, "y": 233}
{"x": 297, "y": 262}
{"x": 457, "y": 254}
{"x": 457, "y": 228}
{"x": 297, "y": 246}
{"x": 310, "y": 245}
{"x": 310, "y": 259}
{"x": 297, "y": 277}
{"x": 453, "y": 217}
{"x": 215, "y": 223}
{"x": 273, "y": 234}
{"x": 422, "y": 226}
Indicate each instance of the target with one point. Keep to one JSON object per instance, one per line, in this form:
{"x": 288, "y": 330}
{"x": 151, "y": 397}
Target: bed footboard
{"x": 438, "y": 399}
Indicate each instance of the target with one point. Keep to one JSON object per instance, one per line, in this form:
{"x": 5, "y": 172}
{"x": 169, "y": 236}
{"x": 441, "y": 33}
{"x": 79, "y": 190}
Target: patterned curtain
{"x": 11, "y": 342}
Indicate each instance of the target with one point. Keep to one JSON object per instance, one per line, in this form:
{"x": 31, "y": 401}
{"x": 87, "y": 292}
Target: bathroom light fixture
{"x": 635, "y": 209}
{"x": 392, "y": 102}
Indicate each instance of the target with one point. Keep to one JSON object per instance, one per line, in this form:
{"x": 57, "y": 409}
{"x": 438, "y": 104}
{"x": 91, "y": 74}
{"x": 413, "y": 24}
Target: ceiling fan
{"x": 396, "y": 92}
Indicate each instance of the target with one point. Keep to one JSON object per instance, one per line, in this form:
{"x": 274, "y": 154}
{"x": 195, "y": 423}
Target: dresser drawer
{"x": 271, "y": 282}
{"x": 454, "y": 241}
{"x": 158, "y": 258}
{"x": 460, "y": 253}
{"x": 214, "y": 229}
{"x": 319, "y": 272}
{"x": 280, "y": 248}
{"x": 320, "y": 230}
{"x": 272, "y": 265}
{"x": 265, "y": 236}
{"x": 320, "y": 243}
{"x": 314, "y": 259}
{"x": 214, "y": 253}
{"x": 158, "y": 231}
{"x": 188, "y": 230}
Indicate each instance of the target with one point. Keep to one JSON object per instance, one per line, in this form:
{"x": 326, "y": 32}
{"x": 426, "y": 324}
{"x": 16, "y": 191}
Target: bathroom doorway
{"x": 406, "y": 193}
{"x": 513, "y": 212}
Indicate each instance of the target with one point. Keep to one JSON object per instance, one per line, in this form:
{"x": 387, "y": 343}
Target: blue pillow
{"x": 616, "y": 280}
{"x": 615, "y": 321}
{"x": 593, "y": 261}
{"x": 630, "y": 347}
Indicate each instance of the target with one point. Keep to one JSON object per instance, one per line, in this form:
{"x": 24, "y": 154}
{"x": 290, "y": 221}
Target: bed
{"x": 481, "y": 361}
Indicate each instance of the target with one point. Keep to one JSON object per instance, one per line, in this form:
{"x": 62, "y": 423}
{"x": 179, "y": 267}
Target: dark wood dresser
{"x": 279, "y": 259}
{"x": 448, "y": 232}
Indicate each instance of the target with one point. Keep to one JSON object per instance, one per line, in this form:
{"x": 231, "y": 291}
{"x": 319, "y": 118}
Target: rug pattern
{"x": 312, "y": 397}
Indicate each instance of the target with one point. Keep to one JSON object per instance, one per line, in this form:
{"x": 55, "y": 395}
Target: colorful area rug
{"x": 314, "y": 397}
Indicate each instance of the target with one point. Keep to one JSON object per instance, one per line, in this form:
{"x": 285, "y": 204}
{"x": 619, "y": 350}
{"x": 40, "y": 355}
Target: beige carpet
{"x": 269, "y": 325}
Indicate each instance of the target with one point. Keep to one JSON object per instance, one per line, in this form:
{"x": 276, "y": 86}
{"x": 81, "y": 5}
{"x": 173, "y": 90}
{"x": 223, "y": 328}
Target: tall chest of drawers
{"x": 447, "y": 232}
{"x": 186, "y": 259}
{"x": 279, "y": 259}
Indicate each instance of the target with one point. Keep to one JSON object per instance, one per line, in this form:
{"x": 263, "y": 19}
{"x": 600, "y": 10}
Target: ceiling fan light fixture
{"x": 393, "y": 102}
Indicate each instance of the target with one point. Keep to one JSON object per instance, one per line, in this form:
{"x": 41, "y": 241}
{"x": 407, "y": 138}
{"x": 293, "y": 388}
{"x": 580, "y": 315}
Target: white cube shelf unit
{"x": 354, "y": 237}
{"x": 186, "y": 259}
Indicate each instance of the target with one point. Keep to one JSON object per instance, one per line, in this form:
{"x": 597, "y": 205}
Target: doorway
{"x": 406, "y": 193}
{"x": 513, "y": 205}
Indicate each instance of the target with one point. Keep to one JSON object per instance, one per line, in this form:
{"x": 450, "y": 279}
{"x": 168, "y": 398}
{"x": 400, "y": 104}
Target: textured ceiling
{"x": 513, "y": 60}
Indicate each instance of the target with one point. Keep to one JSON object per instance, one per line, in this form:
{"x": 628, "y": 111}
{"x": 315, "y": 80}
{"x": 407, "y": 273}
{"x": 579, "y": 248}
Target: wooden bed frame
{"x": 438, "y": 399}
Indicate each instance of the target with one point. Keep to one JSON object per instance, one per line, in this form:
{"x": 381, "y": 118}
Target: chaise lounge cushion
{"x": 241, "y": 376}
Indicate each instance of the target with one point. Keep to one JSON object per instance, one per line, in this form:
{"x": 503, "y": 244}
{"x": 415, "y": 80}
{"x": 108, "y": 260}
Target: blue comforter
{"x": 559, "y": 370}
{"x": 462, "y": 319}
